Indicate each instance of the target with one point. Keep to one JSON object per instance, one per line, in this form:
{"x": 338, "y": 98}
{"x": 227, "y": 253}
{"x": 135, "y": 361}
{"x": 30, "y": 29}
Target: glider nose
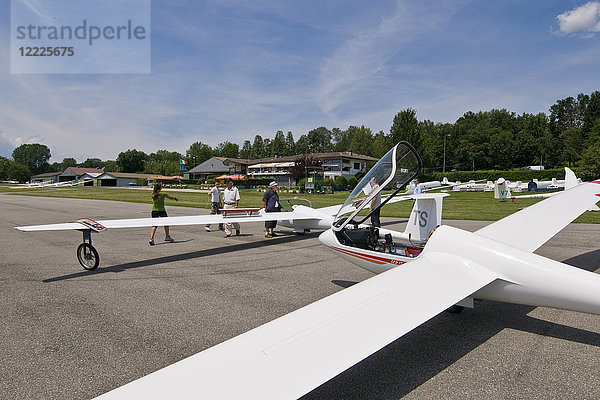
{"x": 328, "y": 238}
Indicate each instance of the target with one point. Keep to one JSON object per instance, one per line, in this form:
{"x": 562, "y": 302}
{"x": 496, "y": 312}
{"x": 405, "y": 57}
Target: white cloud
{"x": 34, "y": 6}
{"x": 360, "y": 63}
{"x": 6, "y": 145}
{"x": 583, "y": 19}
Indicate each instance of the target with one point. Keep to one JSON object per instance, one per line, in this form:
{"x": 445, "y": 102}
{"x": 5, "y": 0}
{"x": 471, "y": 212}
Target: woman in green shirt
{"x": 158, "y": 211}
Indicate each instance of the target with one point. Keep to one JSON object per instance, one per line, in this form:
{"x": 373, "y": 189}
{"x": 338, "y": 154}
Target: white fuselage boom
{"x": 527, "y": 278}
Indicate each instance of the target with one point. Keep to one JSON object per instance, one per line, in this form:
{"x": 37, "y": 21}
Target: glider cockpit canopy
{"x": 392, "y": 172}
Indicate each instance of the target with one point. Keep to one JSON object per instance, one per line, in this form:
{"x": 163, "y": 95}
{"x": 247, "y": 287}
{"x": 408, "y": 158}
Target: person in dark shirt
{"x": 375, "y": 203}
{"x": 272, "y": 204}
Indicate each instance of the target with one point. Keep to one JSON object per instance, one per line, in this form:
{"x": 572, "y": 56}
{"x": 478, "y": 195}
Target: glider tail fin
{"x": 425, "y": 216}
{"x": 501, "y": 190}
{"x": 570, "y": 179}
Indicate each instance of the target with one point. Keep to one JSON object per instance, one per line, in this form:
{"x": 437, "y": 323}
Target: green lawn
{"x": 459, "y": 205}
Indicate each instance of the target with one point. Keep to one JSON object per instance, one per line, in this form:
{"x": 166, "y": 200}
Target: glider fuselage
{"x": 526, "y": 278}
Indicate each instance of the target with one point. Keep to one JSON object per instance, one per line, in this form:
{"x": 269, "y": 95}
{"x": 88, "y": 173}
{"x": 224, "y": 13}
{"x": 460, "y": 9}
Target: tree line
{"x": 569, "y": 135}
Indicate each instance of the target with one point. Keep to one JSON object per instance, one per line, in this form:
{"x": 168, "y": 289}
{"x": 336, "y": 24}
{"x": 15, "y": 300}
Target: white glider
{"x": 502, "y": 189}
{"x": 301, "y": 219}
{"x": 290, "y": 356}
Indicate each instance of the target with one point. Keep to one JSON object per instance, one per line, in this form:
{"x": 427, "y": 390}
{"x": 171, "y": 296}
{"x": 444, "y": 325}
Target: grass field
{"x": 459, "y": 205}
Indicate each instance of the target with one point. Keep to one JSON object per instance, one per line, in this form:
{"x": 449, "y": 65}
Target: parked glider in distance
{"x": 502, "y": 187}
{"x": 38, "y": 185}
{"x": 435, "y": 185}
{"x": 291, "y": 355}
{"x": 474, "y": 186}
{"x": 301, "y": 219}
{"x": 535, "y": 185}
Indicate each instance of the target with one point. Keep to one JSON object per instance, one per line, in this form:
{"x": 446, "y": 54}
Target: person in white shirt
{"x": 215, "y": 204}
{"x": 418, "y": 187}
{"x": 231, "y": 199}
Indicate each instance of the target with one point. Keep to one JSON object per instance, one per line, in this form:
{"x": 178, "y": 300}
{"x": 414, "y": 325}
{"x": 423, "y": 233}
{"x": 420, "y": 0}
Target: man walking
{"x": 271, "y": 203}
{"x": 215, "y": 203}
{"x": 231, "y": 199}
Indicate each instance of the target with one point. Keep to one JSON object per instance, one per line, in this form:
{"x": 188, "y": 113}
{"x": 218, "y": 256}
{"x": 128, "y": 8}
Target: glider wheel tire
{"x": 455, "y": 309}
{"x": 88, "y": 256}
{"x": 300, "y": 233}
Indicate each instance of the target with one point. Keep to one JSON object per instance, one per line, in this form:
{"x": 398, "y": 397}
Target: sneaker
{"x": 207, "y": 228}
{"x": 273, "y": 234}
{"x": 151, "y": 242}
{"x": 268, "y": 235}
{"x": 226, "y": 235}
{"x": 237, "y": 232}
{"x": 169, "y": 239}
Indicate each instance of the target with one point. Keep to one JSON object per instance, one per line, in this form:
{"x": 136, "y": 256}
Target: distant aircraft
{"x": 535, "y": 184}
{"x": 435, "y": 185}
{"x": 290, "y": 356}
{"x": 427, "y": 186}
{"x": 502, "y": 187}
{"x": 36, "y": 185}
{"x": 475, "y": 186}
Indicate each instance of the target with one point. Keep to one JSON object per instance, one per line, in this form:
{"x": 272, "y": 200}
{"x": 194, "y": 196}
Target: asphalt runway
{"x": 73, "y": 334}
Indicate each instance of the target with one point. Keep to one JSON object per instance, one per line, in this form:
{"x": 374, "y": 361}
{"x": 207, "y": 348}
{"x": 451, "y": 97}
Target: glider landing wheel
{"x": 300, "y": 233}
{"x": 88, "y": 256}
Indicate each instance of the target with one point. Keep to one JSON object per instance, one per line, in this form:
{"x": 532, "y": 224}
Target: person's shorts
{"x": 158, "y": 214}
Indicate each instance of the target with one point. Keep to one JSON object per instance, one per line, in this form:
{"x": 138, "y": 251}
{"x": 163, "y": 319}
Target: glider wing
{"x": 290, "y": 356}
{"x": 175, "y": 221}
{"x": 533, "y": 226}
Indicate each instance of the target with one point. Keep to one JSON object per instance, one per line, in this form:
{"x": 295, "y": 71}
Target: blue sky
{"x": 228, "y": 70}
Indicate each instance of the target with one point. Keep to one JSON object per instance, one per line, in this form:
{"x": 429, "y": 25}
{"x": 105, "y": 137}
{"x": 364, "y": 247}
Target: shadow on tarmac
{"x": 342, "y": 283}
{"x": 410, "y": 361}
{"x": 281, "y": 238}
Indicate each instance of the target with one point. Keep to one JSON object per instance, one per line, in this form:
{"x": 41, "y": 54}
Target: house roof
{"x": 126, "y": 175}
{"x": 213, "y": 165}
{"x": 80, "y": 171}
{"x": 91, "y": 174}
{"x": 46, "y": 174}
{"x": 234, "y": 160}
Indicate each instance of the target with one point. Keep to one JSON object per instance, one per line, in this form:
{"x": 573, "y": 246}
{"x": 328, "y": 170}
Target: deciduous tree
{"x": 34, "y": 156}
{"x": 92, "y": 163}
{"x": 246, "y": 150}
{"x": 319, "y": 140}
{"x": 198, "y": 153}
{"x": 290, "y": 145}
{"x": 131, "y": 160}
{"x": 228, "y": 149}
{"x": 278, "y": 144}
{"x": 405, "y": 127}
{"x": 362, "y": 141}
{"x": 258, "y": 149}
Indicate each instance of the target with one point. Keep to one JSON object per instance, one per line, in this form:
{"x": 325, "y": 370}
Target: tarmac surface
{"x": 72, "y": 334}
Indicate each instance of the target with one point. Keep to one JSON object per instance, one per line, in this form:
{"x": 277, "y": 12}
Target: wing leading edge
{"x": 175, "y": 221}
{"x": 290, "y": 356}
